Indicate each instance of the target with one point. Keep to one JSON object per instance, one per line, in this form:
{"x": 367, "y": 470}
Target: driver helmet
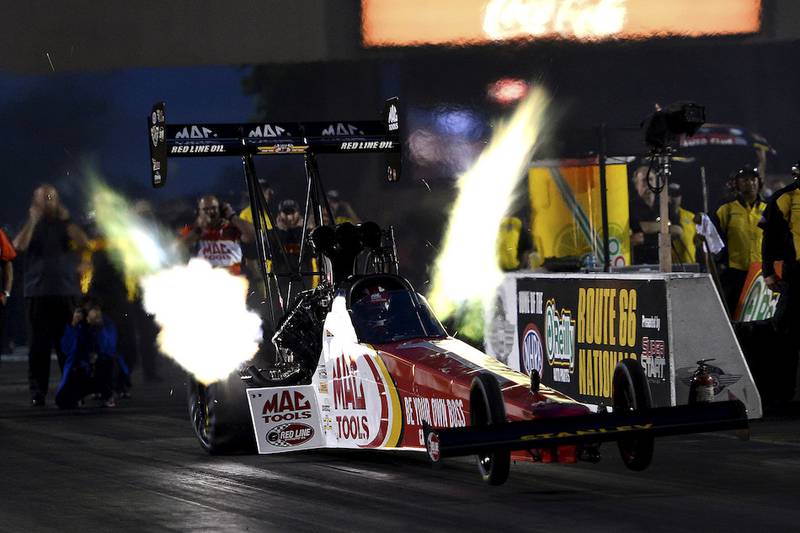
{"x": 374, "y": 303}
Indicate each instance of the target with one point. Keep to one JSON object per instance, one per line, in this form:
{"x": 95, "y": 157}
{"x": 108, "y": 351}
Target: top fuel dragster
{"x": 360, "y": 360}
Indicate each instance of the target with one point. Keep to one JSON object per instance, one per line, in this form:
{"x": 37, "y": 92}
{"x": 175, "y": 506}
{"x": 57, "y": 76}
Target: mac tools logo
{"x": 392, "y": 121}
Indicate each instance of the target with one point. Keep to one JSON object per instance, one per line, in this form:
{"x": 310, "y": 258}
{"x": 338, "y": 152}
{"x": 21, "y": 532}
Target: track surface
{"x": 138, "y": 467}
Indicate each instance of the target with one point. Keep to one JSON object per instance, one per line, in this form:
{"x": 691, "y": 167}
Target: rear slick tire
{"x": 220, "y": 416}
{"x": 487, "y": 408}
{"x": 631, "y": 392}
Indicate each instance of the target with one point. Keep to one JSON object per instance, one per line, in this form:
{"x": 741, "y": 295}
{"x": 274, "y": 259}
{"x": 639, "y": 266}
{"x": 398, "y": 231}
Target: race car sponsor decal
{"x": 362, "y": 399}
{"x": 341, "y": 128}
{"x": 195, "y": 132}
{"x": 392, "y": 120}
{"x": 366, "y": 145}
{"x": 283, "y": 148}
{"x": 285, "y": 418}
{"x": 433, "y": 447}
{"x": 287, "y": 435}
{"x": 476, "y": 360}
{"x": 587, "y": 431}
{"x": 435, "y": 412}
{"x": 268, "y": 130}
{"x": 197, "y": 149}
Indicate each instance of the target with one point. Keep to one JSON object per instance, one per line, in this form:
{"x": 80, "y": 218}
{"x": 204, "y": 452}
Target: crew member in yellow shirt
{"x": 737, "y": 221}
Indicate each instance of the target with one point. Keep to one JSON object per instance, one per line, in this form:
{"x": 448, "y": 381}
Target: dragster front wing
{"x": 585, "y": 429}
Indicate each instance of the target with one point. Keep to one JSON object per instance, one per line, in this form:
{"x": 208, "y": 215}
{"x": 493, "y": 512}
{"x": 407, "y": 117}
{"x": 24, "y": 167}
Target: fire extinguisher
{"x": 701, "y": 388}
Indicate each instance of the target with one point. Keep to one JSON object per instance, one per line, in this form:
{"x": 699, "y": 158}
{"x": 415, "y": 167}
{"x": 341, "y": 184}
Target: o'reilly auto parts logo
{"x": 532, "y": 352}
{"x": 287, "y": 435}
{"x": 759, "y": 301}
{"x": 559, "y": 335}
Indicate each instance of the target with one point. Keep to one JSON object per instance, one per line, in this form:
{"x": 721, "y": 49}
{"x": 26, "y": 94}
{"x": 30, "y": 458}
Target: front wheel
{"x": 487, "y": 408}
{"x": 632, "y": 393}
{"x": 220, "y": 416}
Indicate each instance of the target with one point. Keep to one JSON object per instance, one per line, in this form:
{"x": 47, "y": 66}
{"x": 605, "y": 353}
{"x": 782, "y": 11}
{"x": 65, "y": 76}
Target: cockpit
{"x": 386, "y": 309}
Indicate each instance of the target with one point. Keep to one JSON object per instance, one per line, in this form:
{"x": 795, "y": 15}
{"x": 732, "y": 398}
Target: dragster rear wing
{"x": 590, "y": 428}
{"x": 274, "y": 138}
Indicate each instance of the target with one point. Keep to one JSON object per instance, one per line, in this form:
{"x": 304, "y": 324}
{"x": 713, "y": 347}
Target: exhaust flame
{"x": 205, "y": 324}
{"x": 466, "y": 272}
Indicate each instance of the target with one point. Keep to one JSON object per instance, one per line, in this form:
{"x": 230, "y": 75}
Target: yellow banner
{"x": 566, "y": 216}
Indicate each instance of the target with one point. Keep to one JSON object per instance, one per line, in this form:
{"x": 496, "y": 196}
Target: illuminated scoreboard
{"x": 466, "y": 22}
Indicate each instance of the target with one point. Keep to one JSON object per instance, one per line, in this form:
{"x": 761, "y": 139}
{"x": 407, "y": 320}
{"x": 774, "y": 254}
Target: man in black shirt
{"x": 52, "y": 243}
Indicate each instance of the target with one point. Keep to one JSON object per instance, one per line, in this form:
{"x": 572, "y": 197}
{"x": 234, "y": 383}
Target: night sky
{"x": 51, "y": 124}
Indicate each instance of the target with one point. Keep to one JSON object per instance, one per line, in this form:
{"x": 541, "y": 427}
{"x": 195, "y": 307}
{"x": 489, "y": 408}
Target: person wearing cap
{"x": 737, "y": 222}
{"x": 247, "y": 212}
{"x": 683, "y": 228}
{"x": 217, "y": 234}
{"x": 289, "y": 224}
{"x": 342, "y": 211}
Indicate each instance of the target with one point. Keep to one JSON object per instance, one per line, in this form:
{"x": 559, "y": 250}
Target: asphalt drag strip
{"x": 138, "y": 467}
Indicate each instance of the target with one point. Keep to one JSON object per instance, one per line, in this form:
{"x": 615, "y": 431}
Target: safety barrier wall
{"x": 575, "y": 328}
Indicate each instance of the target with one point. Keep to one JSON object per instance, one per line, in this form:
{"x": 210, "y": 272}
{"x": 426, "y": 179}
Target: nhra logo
{"x": 287, "y": 435}
{"x": 532, "y": 352}
{"x": 285, "y": 406}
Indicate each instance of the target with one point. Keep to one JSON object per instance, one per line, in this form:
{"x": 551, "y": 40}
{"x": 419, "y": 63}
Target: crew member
{"x": 513, "y": 244}
{"x": 289, "y": 225}
{"x": 737, "y": 221}
{"x": 217, "y": 234}
{"x": 781, "y": 242}
{"x": 247, "y": 212}
{"x": 342, "y": 210}
{"x": 682, "y": 228}
{"x": 52, "y": 244}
